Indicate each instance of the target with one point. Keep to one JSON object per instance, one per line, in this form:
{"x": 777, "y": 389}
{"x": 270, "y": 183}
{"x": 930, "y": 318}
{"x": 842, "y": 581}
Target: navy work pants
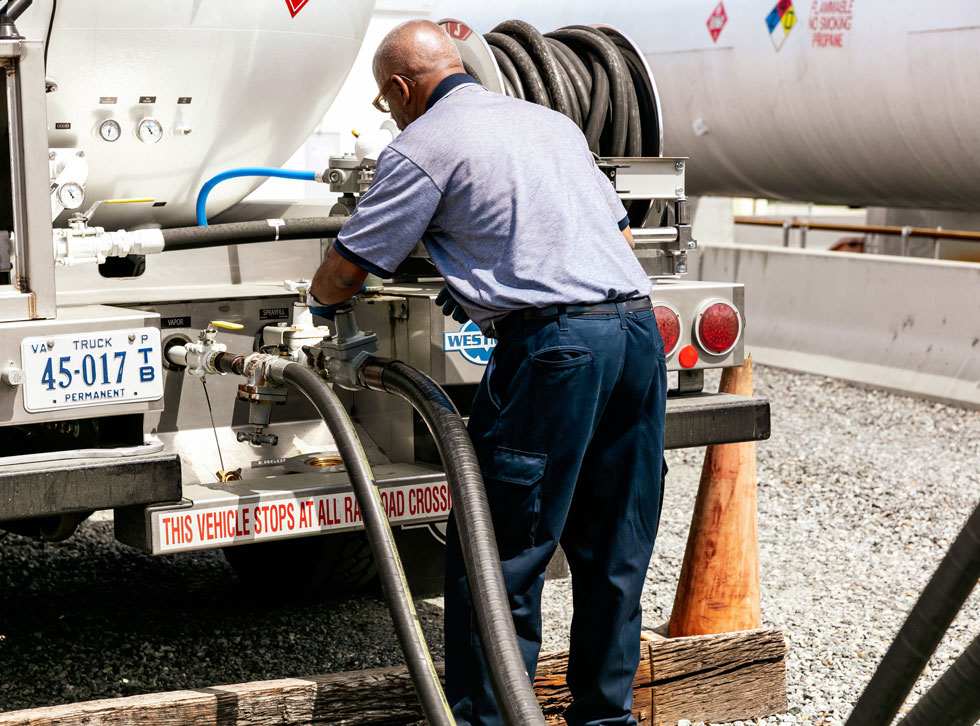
{"x": 568, "y": 424}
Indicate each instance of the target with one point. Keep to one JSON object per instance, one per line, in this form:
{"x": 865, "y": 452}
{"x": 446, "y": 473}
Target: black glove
{"x": 451, "y": 308}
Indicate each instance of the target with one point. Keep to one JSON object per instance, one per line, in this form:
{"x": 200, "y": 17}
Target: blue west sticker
{"x": 469, "y": 342}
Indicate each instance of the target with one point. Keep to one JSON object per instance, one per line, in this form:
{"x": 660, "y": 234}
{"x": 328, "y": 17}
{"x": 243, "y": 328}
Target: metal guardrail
{"x": 906, "y": 233}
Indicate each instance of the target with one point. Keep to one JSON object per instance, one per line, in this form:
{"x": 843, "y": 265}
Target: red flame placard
{"x": 295, "y": 6}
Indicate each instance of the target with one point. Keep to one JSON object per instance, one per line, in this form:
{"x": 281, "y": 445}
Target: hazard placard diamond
{"x": 717, "y": 21}
{"x": 295, "y": 6}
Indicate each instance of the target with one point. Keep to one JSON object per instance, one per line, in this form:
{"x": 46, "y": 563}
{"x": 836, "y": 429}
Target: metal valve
{"x": 302, "y": 331}
{"x": 198, "y": 357}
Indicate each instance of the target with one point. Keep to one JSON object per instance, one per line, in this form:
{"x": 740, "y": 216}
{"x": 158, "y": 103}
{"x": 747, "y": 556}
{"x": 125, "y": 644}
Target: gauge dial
{"x": 71, "y": 195}
{"x": 110, "y": 130}
{"x": 149, "y": 131}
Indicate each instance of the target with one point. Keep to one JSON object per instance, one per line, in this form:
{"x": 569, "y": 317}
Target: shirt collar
{"x": 446, "y": 85}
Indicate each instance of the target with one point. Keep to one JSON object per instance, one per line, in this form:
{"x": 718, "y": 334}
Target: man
{"x": 568, "y": 419}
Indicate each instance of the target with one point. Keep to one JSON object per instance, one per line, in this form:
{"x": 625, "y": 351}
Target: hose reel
{"x": 595, "y": 75}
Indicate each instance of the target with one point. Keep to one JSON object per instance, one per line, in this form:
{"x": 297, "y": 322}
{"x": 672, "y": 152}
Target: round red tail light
{"x": 669, "y": 323}
{"x": 717, "y": 327}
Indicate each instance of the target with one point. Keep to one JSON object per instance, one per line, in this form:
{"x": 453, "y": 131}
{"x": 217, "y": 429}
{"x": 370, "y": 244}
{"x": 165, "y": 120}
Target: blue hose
{"x": 202, "y": 196}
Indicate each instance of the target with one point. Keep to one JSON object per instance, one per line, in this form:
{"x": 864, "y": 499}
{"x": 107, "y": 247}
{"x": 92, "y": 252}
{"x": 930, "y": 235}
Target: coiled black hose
{"x": 593, "y": 76}
{"x": 393, "y": 583}
{"x": 918, "y": 637}
{"x": 511, "y": 683}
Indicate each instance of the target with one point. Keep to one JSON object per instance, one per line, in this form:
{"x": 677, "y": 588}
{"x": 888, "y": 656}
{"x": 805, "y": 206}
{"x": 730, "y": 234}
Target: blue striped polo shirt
{"x": 508, "y": 201}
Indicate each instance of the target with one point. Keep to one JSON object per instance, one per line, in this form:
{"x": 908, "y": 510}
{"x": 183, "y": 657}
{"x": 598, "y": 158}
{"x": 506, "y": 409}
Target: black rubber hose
{"x": 47, "y": 36}
{"x": 511, "y": 683}
{"x": 645, "y": 93}
{"x": 612, "y": 60}
{"x": 580, "y": 67}
{"x": 237, "y": 233}
{"x": 537, "y": 47}
{"x": 953, "y": 700}
{"x": 510, "y": 72}
{"x": 566, "y": 76}
{"x": 634, "y": 133}
{"x": 577, "y": 74}
{"x": 528, "y": 73}
{"x": 598, "y": 104}
{"x": 925, "y": 626}
{"x": 390, "y": 571}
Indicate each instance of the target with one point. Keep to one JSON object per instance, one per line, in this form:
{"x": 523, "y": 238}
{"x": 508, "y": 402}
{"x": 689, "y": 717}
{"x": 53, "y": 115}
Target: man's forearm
{"x": 337, "y": 279}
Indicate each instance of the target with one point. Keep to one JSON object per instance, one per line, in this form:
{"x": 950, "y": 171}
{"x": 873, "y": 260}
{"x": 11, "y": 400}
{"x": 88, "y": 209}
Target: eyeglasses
{"x": 380, "y": 102}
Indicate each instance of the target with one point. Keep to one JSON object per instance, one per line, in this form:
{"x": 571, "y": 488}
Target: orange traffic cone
{"x": 718, "y": 591}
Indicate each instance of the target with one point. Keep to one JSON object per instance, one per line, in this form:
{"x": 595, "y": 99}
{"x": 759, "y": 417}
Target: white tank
{"x": 864, "y": 102}
{"x": 215, "y": 84}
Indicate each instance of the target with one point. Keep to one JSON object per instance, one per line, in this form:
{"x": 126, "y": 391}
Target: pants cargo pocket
{"x": 651, "y": 502}
{"x": 513, "y": 482}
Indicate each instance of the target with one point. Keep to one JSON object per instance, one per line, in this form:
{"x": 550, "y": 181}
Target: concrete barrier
{"x": 909, "y": 325}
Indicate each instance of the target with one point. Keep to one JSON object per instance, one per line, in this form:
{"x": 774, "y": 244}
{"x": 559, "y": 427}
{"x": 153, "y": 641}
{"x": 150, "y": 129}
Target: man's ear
{"x": 403, "y": 89}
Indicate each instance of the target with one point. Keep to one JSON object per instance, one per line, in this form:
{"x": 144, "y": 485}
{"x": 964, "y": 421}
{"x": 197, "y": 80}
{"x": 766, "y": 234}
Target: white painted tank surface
{"x": 195, "y": 87}
{"x": 863, "y": 102}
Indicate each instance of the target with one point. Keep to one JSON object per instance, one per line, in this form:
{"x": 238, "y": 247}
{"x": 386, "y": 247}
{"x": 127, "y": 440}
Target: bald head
{"x": 416, "y": 49}
{"x": 408, "y": 65}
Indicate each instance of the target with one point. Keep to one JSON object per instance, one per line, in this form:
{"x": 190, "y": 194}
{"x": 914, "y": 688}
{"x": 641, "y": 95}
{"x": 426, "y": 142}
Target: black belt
{"x": 553, "y": 311}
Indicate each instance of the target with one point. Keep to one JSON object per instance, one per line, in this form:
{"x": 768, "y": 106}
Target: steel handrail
{"x": 882, "y": 229}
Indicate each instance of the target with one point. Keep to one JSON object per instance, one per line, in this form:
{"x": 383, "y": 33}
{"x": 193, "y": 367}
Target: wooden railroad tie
{"x": 707, "y": 677}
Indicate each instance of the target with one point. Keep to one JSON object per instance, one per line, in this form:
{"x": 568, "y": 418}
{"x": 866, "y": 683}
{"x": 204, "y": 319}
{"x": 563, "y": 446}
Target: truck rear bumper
{"x": 700, "y": 419}
{"x": 303, "y": 504}
{"x": 53, "y": 488}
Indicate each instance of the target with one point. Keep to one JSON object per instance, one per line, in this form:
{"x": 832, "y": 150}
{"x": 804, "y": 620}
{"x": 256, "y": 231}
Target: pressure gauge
{"x": 71, "y": 195}
{"x": 150, "y": 131}
{"x": 110, "y": 130}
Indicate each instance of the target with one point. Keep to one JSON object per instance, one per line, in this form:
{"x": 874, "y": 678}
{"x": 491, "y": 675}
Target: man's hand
{"x": 451, "y": 308}
{"x": 337, "y": 280}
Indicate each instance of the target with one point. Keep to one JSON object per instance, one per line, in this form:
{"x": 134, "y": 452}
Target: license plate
{"x": 91, "y": 369}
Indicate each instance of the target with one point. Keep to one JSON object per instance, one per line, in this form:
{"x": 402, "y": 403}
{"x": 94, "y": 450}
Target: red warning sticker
{"x": 830, "y": 22}
{"x": 717, "y": 21}
{"x": 457, "y": 30}
{"x": 252, "y": 520}
{"x": 295, "y": 6}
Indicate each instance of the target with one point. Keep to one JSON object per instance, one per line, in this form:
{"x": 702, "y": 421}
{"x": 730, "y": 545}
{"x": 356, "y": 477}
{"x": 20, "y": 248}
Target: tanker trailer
{"x": 137, "y": 141}
{"x": 858, "y": 102}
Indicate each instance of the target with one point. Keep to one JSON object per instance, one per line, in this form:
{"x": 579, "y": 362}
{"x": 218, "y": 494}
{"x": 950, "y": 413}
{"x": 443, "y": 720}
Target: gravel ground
{"x": 860, "y": 493}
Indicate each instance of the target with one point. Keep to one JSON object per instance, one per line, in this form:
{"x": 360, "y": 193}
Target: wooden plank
{"x": 553, "y": 694}
{"x": 711, "y": 677}
{"x": 376, "y": 696}
{"x": 679, "y": 657}
{"x": 723, "y": 677}
{"x": 752, "y": 691}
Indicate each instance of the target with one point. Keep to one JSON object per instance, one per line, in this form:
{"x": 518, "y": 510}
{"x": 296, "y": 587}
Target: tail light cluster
{"x": 669, "y": 323}
{"x": 717, "y": 329}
